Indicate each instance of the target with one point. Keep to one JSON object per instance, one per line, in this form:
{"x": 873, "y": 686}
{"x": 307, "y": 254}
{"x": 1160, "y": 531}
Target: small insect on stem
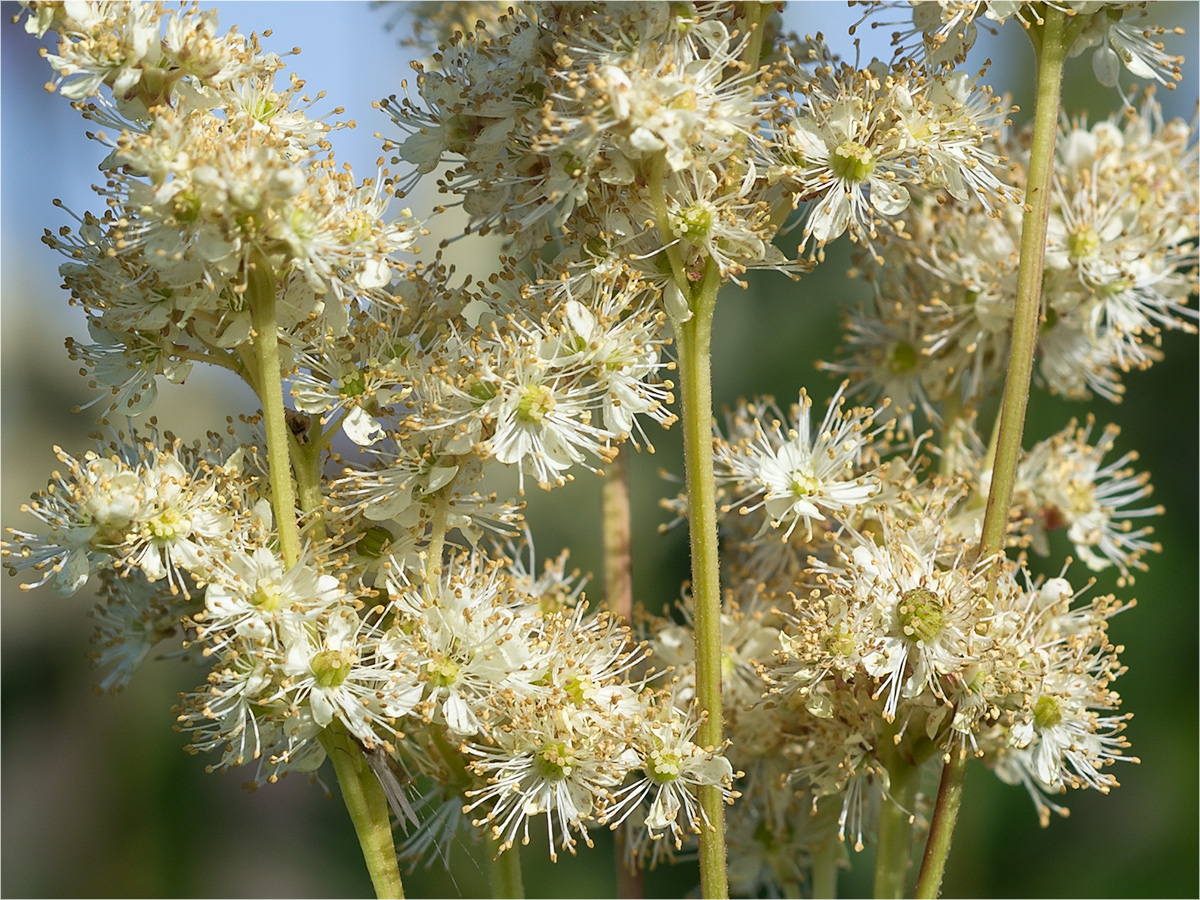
{"x": 394, "y": 778}
{"x": 298, "y": 424}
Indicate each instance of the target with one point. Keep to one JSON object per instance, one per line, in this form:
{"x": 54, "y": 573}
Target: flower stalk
{"x": 260, "y": 296}
{"x": 695, "y": 375}
{"x": 895, "y": 829}
{"x": 1051, "y": 47}
{"x": 505, "y": 873}
{"x": 368, "y": 808}
{"x": 1051, "y": 50}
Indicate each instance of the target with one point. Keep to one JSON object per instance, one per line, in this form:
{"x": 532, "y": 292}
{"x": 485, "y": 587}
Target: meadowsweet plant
{"x": 864, "y": 607}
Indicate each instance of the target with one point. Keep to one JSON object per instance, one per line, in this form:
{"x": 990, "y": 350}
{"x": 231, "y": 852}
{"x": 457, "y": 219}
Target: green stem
{"x": 755, "y": 16}
{"x": 1051, "y": 47}
{"x": 941, "y": 827}
{"x": 437, "y": 536}
{"x": 827, "y": 848}
{"x": 260, "y": 294}
{"x": 695, "y": 376}
{"x": 306, "y": 455}
{"x": 368, "y": 808}
{"x": 895, "y": 829}
{"x": 1051, "y": 54}
{"x": 505, "y": 872}
{"x": 657, "y": 183}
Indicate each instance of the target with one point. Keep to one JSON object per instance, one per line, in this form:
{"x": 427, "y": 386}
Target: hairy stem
{"x": 505, "y": 872}
{"x": 1051, "y": 54}
{"x": 1051, "y": 46}
{"x": 695, "y": 376}
{"x": 368, "y": 808}
{"x": 895, "y": 829}
{"x": 260, "y": 295}
{"x": 306, "y": 454}
{"x": 437, "y": 537}
{"x": 941, "y": 828}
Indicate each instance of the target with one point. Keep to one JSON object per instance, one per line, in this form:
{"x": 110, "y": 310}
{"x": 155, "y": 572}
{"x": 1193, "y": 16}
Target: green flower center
{"x": 167, "y": 525}
{"x": 554, "y": 761}
{"x": 536, "y": 402}
{"x": 352, "y": 384}
{"x": 186, "y": 205}
{"x": 332, "y": 667}
{"x": 852, "y": 161}
{"x": 576, "y": 687}
{"x": 839, "y": 642}
{"x": 1083, "y": 242}
{"x": 663, "y": 767}
{"x": 263, "y": 108}
{"x": 267, "y": 595}
{"x": 921, "y": 615}
{"x": 695, "y": 223}
{"x": 902, "y": 359}
{"x": 443, "y": 672}
{"x": 1046, "y": 712}
{"x": 804, "y": 483}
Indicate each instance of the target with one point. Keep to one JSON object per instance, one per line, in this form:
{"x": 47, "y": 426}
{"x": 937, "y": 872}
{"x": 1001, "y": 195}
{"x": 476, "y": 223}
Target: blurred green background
{"x": 98, "y": 798}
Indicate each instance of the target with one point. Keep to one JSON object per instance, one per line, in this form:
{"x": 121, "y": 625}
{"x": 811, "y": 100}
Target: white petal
{"x": 362, "y": 428}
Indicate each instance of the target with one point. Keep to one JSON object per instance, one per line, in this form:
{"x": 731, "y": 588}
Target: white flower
{"x": 541, "y": 764}
{"x": 1065, "y": 485}
{"x": 672, "y": 769}
{"x": 251, "y": 593}
{"x": 336, "y": 665}
{"x": 1067, "y": 731}
{"x": 797, "y": 475}
{"x": 468, "y": 636}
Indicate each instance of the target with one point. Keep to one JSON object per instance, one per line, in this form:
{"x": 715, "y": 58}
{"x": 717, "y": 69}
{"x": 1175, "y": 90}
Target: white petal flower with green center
{"x": 540, "y": 764}
{"x": 337, "y": 668}
{"x": 796, "y": 475}
{"x": 470, "y": 640}
{"x": 1066, "y": 485}
{"x": 252, "y": 592}
{"x": 672, "y": 769}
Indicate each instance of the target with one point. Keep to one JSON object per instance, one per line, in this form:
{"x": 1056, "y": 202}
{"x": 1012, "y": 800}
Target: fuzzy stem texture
{"x": 895, "y": 829}
{"x": 306, "y": 456}
{"x": 1051, "y": 55}
{"x": 260, "y": 295}
{"x": 437, "y": 537}
{"x": 695, "y": 376}
{"x": 368, "y": 808}
{"x": 941, "y": 828}
{"x": 1051, "y": 47}
{"x": 505, "y": 873}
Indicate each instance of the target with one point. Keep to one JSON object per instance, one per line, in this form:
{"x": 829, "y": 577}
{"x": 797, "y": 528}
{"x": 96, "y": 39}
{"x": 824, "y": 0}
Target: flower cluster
{"x": 342, "y": 563}
{"x": 214, "y": 176}
{"x": 1118, "y": 273}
